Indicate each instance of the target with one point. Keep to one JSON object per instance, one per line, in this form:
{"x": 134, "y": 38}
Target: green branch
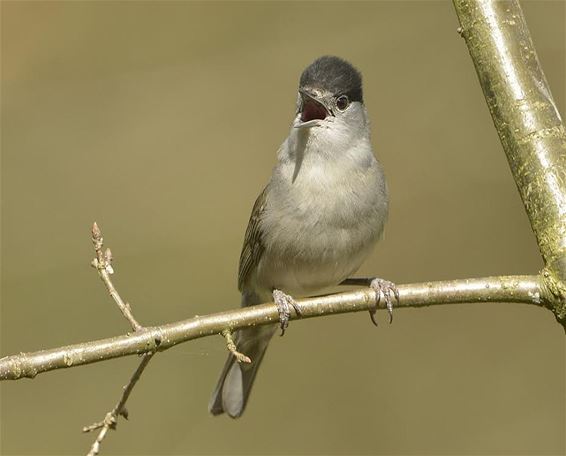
{"x": 528, "y": 124}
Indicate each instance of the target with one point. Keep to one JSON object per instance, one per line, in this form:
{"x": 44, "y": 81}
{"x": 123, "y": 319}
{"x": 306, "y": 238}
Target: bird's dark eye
{"x": 342, "y": 102}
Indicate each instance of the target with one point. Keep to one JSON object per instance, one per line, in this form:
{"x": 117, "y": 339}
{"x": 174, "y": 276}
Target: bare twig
{"x": 518, "y": 289}
{"x": 231, "y": 345}
{"x": 111, "y": 419}
{"x": 103, "y": 264}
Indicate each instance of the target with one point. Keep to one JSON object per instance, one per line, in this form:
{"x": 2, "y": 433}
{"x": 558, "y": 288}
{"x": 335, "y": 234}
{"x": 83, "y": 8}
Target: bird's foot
{"x": 387, "y": 290}
{"x": 284, "y": 303}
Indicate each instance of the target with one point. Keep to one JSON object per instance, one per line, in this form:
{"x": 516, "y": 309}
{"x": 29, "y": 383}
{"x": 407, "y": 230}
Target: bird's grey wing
{"x": 253, "y": 244}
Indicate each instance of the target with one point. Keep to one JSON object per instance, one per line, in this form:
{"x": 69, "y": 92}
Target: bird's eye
{"x": 342, "y": 102}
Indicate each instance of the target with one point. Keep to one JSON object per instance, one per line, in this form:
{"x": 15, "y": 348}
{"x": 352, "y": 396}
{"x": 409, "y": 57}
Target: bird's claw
{"x": 386, "y": 289}
{"x": 284, "y": 303}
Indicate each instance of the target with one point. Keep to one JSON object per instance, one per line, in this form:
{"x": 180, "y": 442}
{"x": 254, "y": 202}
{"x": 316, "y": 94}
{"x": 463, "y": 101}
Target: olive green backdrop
{"x": 161, "y": 121}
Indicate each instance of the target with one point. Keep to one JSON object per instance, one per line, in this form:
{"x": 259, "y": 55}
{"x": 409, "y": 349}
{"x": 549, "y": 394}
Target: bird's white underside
{"x": 325, "y": 208}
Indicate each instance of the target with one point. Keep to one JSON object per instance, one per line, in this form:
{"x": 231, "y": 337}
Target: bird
{"x": 316, "y": 220}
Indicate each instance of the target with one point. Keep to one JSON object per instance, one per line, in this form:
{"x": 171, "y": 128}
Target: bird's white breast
{"x": 328, "y": 216}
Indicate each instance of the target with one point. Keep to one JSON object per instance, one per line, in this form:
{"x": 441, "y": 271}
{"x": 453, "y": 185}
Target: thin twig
{"x": 111, "y": 419}
{"x": 103, "y": 264}
{"x": 231, "y": 346}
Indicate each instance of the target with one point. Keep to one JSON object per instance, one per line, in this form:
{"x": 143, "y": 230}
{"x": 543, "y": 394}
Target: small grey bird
{"x": 317, "y": 219}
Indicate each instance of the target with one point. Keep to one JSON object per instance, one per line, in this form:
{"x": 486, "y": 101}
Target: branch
{"x": 111, "y": 419}
{"x": 232, "y": 348}
{"x": 528, "y": 123}
{"x": 519, "y": 289}
{"x": 103, "y": 265}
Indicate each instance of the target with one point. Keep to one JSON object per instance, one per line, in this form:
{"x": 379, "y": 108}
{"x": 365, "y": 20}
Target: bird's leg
{"x": 386, "y": 289}
{"x": 284, "y": 303}
{"x": 382, "y": 288}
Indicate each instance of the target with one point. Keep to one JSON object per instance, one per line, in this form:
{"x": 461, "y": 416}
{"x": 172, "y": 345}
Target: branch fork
{"x": 103, "y": 264}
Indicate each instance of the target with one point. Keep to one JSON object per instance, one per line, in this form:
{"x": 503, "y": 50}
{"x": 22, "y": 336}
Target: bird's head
{"x": 330, "y": 98}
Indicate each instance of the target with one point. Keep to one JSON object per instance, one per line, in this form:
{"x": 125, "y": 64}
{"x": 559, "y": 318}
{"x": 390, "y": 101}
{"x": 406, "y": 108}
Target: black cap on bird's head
{"x": 327, "y": 85}
{"x": 334, "y": 75}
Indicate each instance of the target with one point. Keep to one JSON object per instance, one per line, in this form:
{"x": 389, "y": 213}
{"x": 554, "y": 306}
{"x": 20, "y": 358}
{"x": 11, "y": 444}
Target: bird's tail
{"x": 235, "y": 383}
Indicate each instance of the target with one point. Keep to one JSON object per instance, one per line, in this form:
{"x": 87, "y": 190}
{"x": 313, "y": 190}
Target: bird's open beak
{"x": 313, "y": 110}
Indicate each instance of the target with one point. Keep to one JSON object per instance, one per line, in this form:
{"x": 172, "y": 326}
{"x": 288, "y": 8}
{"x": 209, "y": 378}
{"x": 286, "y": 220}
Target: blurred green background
{"x": 161, "y": 121}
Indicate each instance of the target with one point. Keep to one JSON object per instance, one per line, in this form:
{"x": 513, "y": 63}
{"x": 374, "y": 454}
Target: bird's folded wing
{"x": 253, "y": 244}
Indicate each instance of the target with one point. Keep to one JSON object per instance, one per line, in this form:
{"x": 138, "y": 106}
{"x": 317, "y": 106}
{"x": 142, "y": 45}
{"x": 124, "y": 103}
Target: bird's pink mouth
{"x": 313, "y": 110}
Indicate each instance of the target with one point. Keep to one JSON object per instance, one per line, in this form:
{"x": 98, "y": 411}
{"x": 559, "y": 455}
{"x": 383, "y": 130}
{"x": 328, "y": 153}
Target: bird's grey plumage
{"x": 318, "y": 217}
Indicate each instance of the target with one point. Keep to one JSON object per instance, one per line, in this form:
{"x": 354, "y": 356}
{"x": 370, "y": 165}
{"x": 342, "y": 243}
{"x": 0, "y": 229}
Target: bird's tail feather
{"x": 235, "y": 383}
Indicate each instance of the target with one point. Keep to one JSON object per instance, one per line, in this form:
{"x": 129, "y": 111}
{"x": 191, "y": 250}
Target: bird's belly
{"x": 326, "y": 223}
{"x": 307, "y": 259}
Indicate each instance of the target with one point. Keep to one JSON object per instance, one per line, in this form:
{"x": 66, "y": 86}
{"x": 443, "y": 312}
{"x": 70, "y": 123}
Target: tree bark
{"x": 528, "y": 123}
